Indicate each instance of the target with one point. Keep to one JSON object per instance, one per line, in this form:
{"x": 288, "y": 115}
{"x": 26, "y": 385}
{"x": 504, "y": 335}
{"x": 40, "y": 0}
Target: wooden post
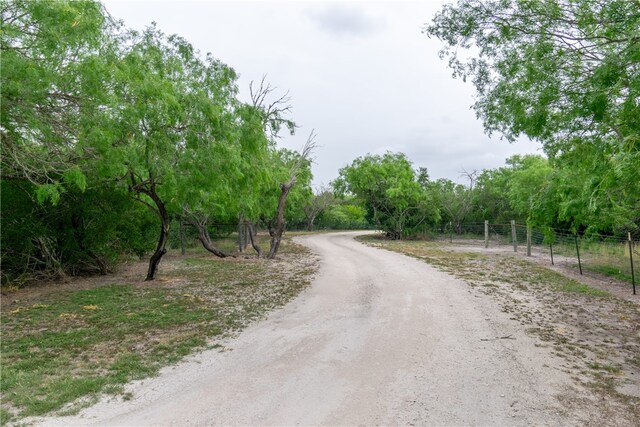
{"x": 633, "y": 276}
{"x": 551, "y": 249}
{"x": 528, "y": 240}
{"x": 486, "y": 234}
{"x": 450, "y": 232}
{"x": 514, "y": 237}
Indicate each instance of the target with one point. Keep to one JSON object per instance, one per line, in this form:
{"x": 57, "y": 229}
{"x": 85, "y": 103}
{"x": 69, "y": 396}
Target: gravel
{"x": 379, "y": 338}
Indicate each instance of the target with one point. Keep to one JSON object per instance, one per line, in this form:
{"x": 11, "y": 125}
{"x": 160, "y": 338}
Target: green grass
{"x": 5, "y": 416}
{"x": 67, "y": 345}
{"x": 614, "y": 272}
{"x": 79, "y": 342}
{"x": 605, "y": 367}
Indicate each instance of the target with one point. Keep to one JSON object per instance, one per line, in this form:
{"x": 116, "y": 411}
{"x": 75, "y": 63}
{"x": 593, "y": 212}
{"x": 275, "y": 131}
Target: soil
{"x": 566, "y": 266}
{"x": 596, "y": 338}
{"x": 382, "y": 338}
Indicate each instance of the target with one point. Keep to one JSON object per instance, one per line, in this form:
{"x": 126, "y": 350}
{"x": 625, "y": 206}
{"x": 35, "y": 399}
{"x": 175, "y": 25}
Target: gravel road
{"x": 379, "y": 338}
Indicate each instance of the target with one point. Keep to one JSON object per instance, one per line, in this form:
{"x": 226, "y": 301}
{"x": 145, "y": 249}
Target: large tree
{"x": 293, "y": 175}
{"x": 165, "y": 131}
{"x": 564, "y": 72}
{"x": 389, "y": 189}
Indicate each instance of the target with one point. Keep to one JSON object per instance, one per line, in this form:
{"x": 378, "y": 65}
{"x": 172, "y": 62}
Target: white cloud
{"x": 342, "y": 19}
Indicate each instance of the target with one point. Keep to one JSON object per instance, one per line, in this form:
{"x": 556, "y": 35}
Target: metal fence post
{"x": 528, "y": 240}
{"x": 578, "y": 252}
{"x": 486, "y": 234}
{"x": 514, "y": 237}
{"x": 633, "y": 277}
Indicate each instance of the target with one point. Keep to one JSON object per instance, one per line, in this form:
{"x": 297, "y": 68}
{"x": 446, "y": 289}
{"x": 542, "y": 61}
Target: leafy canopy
{"x": 389, "y": 189}
{"x": 566, "y": 73}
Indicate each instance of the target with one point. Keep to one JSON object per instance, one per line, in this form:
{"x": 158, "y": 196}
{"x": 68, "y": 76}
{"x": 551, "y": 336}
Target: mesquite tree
{"x": 53, "y": 54}
{"x": 388, "y": 188}
{"x": 322, "y": 200}
{"x": 92, "y": 114}
{"x": 566, "y": 73}
{"x": 297, "y": 170}
{"x": 170, "y": 108}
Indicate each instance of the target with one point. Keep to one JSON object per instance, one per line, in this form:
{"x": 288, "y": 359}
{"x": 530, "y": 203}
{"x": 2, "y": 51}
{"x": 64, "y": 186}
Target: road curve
{"x": 379, "y": 338}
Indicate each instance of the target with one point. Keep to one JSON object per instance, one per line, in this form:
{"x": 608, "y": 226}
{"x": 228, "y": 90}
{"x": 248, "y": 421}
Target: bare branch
{"x": 471, "y": 176}
{"x": 274, "y": 112}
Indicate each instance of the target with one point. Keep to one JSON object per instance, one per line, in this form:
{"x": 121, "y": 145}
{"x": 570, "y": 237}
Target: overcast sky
{"x": 360, "y": 73}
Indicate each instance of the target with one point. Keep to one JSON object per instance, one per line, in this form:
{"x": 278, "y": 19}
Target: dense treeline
{"x": 112, "y": 138}
{"x": 531, "y": 189}
{"x": 110, "y": 135}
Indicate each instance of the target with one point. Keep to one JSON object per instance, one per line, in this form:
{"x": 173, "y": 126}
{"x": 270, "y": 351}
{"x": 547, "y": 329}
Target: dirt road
{"x": 379, "y": 338}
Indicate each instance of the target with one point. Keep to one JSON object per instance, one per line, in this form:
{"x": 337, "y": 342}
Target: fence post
{"x": 241, "y": 236}
{"x": 578, "y": 252}
{"x": 514, "y": 237}
{"x": 633, "y": 277}
{"x": 551, "y": 249}
{"x": 450, "y": 232}
{"x": 528, "y": 240}
{"x": 486, "y": 234}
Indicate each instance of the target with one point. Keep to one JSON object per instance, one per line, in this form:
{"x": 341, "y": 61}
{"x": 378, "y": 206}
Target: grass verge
{"x": 75, "y": 344}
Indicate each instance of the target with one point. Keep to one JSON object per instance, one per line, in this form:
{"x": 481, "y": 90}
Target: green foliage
{"x": 454, "y": 201}
{"x": 344, "y": 216}
{"x": 388, "y": 188}
{"x": 91, "y": 111}
{"x": 538, "y": 191}
{"x": 86, "y": 232}
{"x": 46, "y": 98}
{"x": 566, "y": 74}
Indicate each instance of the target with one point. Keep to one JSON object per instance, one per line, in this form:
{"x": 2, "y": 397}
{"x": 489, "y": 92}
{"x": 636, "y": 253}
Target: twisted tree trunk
{"x": 254, "y": 239}
{"x": 164, "y": 233}
{"x": 276, "y": 228}
{"x": 205, "y": 239}
{"x": 183, "y": 238}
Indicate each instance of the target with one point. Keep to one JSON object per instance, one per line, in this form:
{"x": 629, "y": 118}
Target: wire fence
{"x": 609, "y": 255}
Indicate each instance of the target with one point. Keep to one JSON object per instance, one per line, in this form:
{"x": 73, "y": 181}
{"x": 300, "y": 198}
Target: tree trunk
{"x": 242, "y": 235}
{"x": 164, "y": 234}
{"x": 205, "y": 239}
{"x": 183, "y": 238}
{"x": 254, "y": 239}
{"x": 245, "y": 233}
{"x": 310, "y": 221}
{"x": 277, "y": 230}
